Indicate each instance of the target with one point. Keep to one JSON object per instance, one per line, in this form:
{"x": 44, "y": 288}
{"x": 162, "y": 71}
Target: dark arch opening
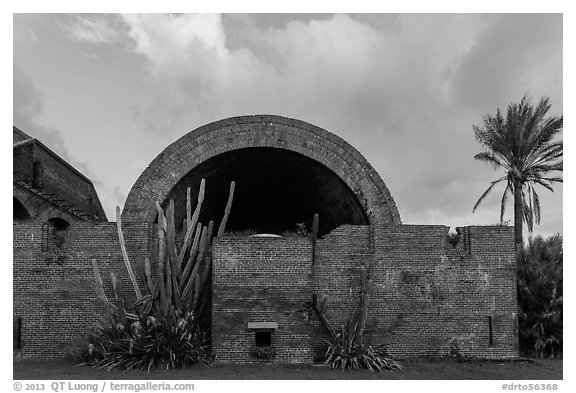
{"x": 58, "y": 231}
{"x": 275, "y": 190}
{"x": 19, "y": 210}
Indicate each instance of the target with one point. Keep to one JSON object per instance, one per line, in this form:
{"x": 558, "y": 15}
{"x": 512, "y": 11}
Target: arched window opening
{"x": 58, "y": 231}
{"x": 37, "y": 175}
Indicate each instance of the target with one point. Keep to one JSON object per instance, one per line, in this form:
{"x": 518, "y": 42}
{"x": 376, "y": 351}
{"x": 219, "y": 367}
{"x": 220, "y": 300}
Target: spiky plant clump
{"x": 347, "y": 352}
{"x": 265, "y": 352}
{"x": 164, "y": 326}
{"x": 145, "y": 343}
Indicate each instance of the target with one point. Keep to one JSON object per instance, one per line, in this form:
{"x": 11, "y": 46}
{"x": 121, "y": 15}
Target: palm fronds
{"x": 521, "y": 142}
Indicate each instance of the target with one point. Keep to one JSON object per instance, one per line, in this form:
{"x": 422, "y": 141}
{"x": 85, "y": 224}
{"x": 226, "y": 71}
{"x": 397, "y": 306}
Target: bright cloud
{"x": 403, "y": 89}
{"x": 92, "y": 29}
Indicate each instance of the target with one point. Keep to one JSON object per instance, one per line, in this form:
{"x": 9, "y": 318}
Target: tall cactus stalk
{"x": 163, "y": 300}
{"x": 191, "y": 257}
{"x": 176, "y": 282}
{"x": 222, "y": 227}
{"x": 125, "y": 255}
{"x": 197, "y": 264}
{"x": 189, "y": 205}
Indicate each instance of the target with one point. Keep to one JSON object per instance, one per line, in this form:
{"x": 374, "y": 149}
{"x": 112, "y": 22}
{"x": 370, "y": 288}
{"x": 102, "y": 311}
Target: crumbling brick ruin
{"x": 430, "y": 296}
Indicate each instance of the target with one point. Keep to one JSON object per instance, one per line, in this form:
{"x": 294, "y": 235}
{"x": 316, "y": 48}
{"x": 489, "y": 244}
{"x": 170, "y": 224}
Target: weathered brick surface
{"x": 260, "y": 131}
{"x": 261, "y": 280}
{"x": 428, "y": 296}
{"x": 428, "y": 299}
{"x": 56, "y": 300}
{"x": 62, "y": 181}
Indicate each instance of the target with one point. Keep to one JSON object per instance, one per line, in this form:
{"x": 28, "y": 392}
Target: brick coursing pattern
{"x": 261, "y": 280}
{"x": 60, "y": 180}
{"x": 259, "y": 131}
{"x": 56, "y": 301}
{"x": 429, "y": 298}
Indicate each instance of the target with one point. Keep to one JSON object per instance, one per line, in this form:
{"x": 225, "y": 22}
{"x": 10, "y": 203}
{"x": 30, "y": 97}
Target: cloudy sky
{"x": 110, "y": 92}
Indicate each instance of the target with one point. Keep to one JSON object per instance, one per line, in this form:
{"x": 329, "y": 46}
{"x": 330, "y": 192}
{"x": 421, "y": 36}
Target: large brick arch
{"x": 242, "y": 132}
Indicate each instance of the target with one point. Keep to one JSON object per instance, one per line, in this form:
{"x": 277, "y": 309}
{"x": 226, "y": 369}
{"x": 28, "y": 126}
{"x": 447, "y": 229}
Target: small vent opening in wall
{"x": 17, "y": 331}
{"x": 490, "y": 331}
{"x": 263, "y": 338}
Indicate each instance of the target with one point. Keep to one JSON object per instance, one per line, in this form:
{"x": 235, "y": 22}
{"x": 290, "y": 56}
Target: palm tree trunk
{"x": 518, "y": 218}
{"x": 519, "y": 243}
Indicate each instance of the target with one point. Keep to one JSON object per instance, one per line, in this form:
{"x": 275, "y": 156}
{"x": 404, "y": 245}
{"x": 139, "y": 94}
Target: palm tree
{"x": 522, "y": 143}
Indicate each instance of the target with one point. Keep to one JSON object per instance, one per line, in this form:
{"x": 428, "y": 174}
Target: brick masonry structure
{"x": 46, "y": 187}
{"x": 261, "y": 280}
{"x": 272, "y": 132}
{"x": 54, "y": 298}
{"x": 430, "y": 296}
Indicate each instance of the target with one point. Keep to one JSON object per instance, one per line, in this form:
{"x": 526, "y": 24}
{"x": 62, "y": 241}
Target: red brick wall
{"x": 56, "y": 301}
{"x": 67, "y": 184}
{"x": 205, "y": 142}
{"x": 58, "y": 179}
{"x": 261, "y": 280}
{"x": 428, "y": 297}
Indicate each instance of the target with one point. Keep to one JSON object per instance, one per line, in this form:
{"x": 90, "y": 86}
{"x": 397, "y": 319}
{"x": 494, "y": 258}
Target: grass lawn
{"x": 413, "y": 369}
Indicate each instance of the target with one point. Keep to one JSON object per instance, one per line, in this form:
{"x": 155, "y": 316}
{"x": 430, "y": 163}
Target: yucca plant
{"x": 347, "y": 352}
{"x": 165, "y": 325}
{"x": 145, "y": 344}
{"x": 347, "y": 349}
{"x": 263, "y": 352}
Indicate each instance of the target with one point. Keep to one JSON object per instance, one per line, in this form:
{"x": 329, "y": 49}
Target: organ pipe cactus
{"x": 176, "y": 283}
{"x": 125, "y": 254}
{"x": 164, "y": 326}
{"x": 227, "y": 210}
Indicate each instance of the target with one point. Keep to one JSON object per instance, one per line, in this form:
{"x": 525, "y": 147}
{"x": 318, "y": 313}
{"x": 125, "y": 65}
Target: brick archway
{"x": 260, "y": 131}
